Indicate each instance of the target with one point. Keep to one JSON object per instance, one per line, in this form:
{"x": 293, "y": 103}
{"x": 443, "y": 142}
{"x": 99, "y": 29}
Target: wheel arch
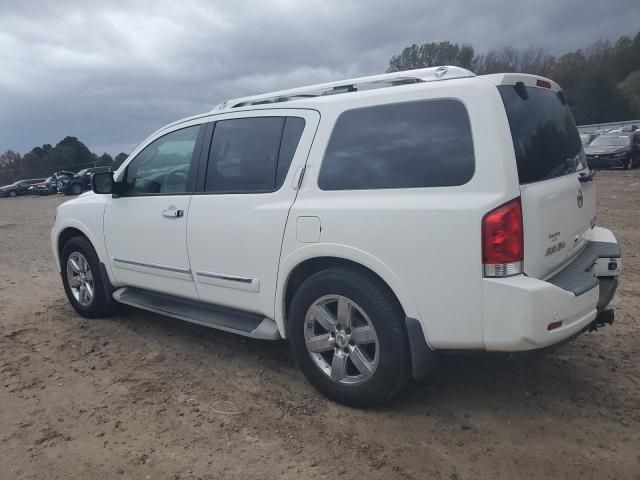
{"x": 66, "y": 235}
{"x": 74, "y": 228}
{"x": 308, "y": 260}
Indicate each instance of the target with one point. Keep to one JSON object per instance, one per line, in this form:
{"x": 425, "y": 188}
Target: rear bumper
{"x": 523, "y": 313}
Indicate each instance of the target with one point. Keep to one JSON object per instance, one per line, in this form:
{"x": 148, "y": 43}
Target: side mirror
{"x": 102, "y": 183}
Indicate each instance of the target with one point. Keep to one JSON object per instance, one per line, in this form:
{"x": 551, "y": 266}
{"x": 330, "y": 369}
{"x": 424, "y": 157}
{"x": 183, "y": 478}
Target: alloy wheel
{"x": 80, "y": 278}
{"x": 341, "y": 340}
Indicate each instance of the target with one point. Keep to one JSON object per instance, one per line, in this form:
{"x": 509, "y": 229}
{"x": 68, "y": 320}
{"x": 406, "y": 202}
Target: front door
{"x": 237, "y": 219}
{"x": 145, "y": 228}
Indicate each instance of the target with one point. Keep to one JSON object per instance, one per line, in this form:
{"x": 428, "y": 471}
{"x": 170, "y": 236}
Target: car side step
{"x": 223, "y": 318}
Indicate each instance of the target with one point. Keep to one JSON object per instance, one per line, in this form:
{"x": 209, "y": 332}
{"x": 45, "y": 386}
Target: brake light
{"x": 503, "y": 240}
{"x": 543, "y": 83}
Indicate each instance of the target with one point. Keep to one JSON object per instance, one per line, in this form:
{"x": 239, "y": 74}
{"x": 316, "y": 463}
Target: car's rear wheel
{"x": 347, "y": 334}
{"x": 82, "y": 281}
{"x": 629, "y": 164}
{"x": 13, "y": 193}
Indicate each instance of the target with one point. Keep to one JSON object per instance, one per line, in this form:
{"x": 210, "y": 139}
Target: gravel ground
{"x": 142, "y": 396}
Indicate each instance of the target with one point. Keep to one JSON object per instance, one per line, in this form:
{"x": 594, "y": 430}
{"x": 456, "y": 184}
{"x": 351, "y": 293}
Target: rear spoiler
{"x": 525, "y": 78}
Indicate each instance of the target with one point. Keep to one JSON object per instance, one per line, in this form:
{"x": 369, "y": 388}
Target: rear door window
{"x": 545, "y": 138}
{"x": 402, "y": 145}
{"x": 252, "y": 155}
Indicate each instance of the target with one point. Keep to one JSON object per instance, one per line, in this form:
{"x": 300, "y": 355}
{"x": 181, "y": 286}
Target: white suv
{"x": 372, "y": 222}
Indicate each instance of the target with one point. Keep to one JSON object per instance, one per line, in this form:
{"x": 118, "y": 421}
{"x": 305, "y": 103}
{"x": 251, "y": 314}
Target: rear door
{"x": 237, "y": 218}
{"x": 558, "y": 209}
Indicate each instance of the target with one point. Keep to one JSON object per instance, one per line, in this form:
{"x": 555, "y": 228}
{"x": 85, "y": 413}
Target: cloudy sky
{"x": 111, "y": 72}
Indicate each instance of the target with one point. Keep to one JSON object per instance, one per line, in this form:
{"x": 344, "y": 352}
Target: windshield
{"x": 611, "y": 141}
{"x": 545, "y": 138}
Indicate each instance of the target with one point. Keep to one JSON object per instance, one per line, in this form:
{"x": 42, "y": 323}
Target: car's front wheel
{"x": 13, "y": 193}
{"x": 347, "y": 335}
{"x": 75, "y": 189}
{"x": 82, "y": 281}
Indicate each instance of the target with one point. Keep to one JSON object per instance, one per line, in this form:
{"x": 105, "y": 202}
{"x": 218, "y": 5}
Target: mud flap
{"x": 423, "y": 359}
{"x": 106, "y": 284}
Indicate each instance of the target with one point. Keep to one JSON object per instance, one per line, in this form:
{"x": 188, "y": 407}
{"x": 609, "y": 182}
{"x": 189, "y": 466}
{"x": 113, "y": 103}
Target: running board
{"x": 223, "y": 318}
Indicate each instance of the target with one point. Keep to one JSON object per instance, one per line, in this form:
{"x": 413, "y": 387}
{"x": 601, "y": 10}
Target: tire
{"x": 629, "y": 164}
{"x": 372, "y": 304}
{"x": 13, "y": 194}
{"x": 84, "y": 255}
{"x": 75, "y": 189}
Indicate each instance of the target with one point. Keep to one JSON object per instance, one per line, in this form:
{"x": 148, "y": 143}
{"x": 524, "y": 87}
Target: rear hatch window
{"x": 545, "y": 138}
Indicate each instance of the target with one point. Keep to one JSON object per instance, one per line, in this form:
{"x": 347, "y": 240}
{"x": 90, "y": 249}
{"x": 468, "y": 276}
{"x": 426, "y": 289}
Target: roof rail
{"x": 351, "y": 85}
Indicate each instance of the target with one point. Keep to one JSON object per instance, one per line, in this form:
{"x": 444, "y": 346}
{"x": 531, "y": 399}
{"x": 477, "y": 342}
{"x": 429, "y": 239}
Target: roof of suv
{"x": 314, "y": 95}
{"x": 311, "y": 95}
{"x": 349, "y": 85}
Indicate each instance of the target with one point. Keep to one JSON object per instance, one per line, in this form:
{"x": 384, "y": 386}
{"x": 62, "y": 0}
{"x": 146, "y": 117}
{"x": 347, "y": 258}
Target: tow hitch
{"x": 604, "y": 318}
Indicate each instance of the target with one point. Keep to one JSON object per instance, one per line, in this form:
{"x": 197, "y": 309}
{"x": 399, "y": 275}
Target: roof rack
{"x": 351, "y": 85}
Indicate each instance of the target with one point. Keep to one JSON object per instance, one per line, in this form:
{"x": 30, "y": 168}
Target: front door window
{"x": 163, "y": 166}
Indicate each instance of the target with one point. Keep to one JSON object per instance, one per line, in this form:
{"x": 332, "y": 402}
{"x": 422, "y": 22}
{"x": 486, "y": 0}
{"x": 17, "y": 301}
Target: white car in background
{"x": 371, "y": 222}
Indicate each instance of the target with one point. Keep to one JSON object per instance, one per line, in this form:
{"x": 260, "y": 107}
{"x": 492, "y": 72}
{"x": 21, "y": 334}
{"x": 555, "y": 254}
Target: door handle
{"x": 172, "y": 212}
{"x": 297, "y": 178}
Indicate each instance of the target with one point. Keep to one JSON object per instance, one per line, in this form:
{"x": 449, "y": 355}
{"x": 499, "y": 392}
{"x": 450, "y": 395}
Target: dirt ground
{"x": 142, "y": 396}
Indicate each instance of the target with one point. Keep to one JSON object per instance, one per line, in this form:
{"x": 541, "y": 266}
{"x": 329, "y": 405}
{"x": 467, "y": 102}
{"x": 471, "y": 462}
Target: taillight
{"x": 502, "y": 240}
{"x": 543, "y": 83}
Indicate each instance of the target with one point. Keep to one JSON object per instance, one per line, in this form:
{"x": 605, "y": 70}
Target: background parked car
{"x": 587, "y": 138}
{"x": 618, "y": 150}
{"x": 58, "y": 179}
{"x": 81, "y": 181}
{"x": 21, "y": 187}
{"x": 42, "y": 188}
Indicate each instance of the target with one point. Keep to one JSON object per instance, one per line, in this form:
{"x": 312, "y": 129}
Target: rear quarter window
{"x": 403, "y": 145}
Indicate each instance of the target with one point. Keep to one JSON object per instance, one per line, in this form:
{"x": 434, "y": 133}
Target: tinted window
{"x": 291, "y": 134}
{"x": 545, "y": 138}
{"x": 163, "y": 165}
{"x": 403, "y": 145}
{"x": 252, "y": 154}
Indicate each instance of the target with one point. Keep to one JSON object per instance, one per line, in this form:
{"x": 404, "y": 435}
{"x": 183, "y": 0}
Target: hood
{"x": 605, "y": 149}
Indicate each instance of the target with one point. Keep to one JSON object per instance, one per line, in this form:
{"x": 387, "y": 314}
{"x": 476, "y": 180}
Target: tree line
{"x": 69, "y": 154}
{"x": 601, "y": 81}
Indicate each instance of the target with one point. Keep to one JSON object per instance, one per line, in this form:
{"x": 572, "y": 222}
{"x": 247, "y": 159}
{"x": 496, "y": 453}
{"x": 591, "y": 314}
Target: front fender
{"x": 87, "y": 216}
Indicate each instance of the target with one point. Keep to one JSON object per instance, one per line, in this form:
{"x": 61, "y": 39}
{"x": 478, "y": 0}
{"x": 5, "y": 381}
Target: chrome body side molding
{"x": 227, "y": 280}
{"x": 123, "y": 263}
